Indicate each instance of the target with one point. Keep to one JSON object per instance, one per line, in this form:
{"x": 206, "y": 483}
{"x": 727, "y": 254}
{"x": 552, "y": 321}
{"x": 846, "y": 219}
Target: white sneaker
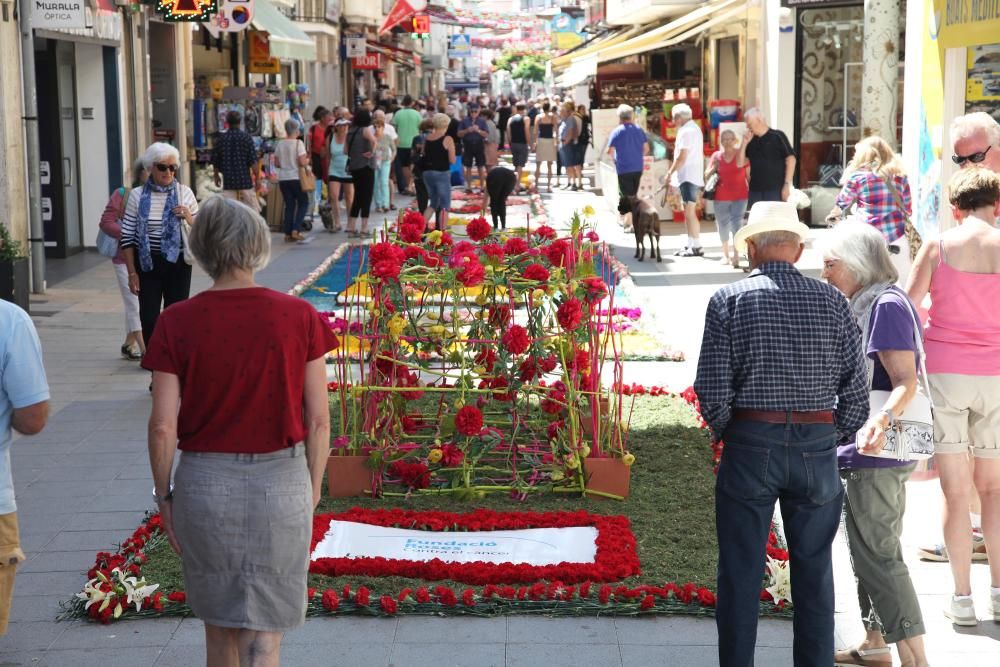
{"x": 962, "y": 612}
{"x": 995, "y": 605}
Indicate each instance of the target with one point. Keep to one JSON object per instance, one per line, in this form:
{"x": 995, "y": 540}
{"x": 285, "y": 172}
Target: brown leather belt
{"x": 783, "y": 417}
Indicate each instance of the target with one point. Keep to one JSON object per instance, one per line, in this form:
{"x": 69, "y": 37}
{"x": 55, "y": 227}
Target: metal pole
{"x": 36, "y": 236}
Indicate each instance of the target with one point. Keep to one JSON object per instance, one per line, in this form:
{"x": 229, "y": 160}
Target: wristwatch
{"x": 163, "y": 499}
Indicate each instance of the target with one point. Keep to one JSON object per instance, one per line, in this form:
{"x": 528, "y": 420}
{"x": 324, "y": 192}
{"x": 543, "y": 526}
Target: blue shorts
{"x": 689, "y": 192}
{"x": 438, "y": 185}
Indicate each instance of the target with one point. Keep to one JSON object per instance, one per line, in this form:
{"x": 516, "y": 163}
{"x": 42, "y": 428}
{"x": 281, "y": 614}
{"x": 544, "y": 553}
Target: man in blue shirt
{"x": 24, "y": 406}
{"x": 473, "y": 132}
{"x": 628, "y": 145}
{"x": 781, "y": 379}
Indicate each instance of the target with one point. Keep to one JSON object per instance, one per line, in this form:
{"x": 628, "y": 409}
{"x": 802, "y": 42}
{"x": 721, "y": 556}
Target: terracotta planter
{"x": 348, "y": 476}
{"x": 607, "y": 475}
{"x": 586, "y": 421}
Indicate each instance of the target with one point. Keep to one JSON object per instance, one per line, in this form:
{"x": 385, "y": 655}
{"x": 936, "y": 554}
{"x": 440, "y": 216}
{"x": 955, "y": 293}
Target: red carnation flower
{"x": 469, "y": 420}
{"x": 500, "y": 388}
{"x": 410, "y": 232}
{"x": 463, "y": 248}
{"x": 486, "y": 358}
{"x": 446, "y": 596}
{"x": 414, "y": 218}
{"x": 528, "y": 369}
{"x": 478, "y": 229}
{"x": 494, "y": 251}
{"x": 451, "y": 455}
{"x": 545, "y": 232}
{"x": 414, "y": 475}
{"x": 596, "y": 289}
{"x": 385, "y": 251}
{"x": 469, "y": 597}
{"x": 515, "y": 246}
{"x": 177, "y": 596}
{"x": 422, "y": 595}
{"x": 706, "y": 597}
{"x": 569, "y": 314}
{"x": 330, "y": 600}
{"x": 604, "y": 594}
{"x": 536, "y": 272}
{"x": 388, "y": 604}
{"x": 386, "y": 270}
{"x": 548, "y": 364}
{"x": 472, "y": 272}
{"x": 499, "y": 316}
{"x": 647, "y": 603}
{"x": 557, "y": 252}
{"x": 362, "y": 597}
{"x": 516, "y": 339}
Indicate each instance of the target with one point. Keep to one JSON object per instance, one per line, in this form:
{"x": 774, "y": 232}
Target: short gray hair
{"x": 291, "y": 127}
{"x": 768, "y": 239}
{"x": 965, "y": 126}
{"x": 681, "y": 111}
{"x": 753, "y": 112}
{"x": 625, "y": 112}
{"x": 229, "y": 235}
{"x": 158, "y": 151}
{"x": 863, "y": 251}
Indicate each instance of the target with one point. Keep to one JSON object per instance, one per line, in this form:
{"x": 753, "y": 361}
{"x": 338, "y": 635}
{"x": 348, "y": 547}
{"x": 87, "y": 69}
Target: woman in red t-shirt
{"x": 239, "y": 386}
{"x": 731, "y": 193}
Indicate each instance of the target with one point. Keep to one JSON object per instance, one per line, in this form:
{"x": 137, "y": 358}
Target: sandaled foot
{"x": 867, "y": 657}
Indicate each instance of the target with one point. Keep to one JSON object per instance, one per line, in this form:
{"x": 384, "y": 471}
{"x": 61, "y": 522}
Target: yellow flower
{"x": 459, "y": 404}
{"x": 479, "y": 370}
{"x": 396, "y": 326}
{"x": 435, "y": 237}
{"x": 589, "y": 211}
{"x": 434, "y": 456}
{"x": 572, "y": 462}
{"x": 558, "y": 476}
{"x": 538, "y": 293}
{"x": 437, "y": 330}
{"x": 433, "y": 316}
{"x": 628, "y": 459}
{"x": 585, "y": 452}
{"x": 481, "y": 299}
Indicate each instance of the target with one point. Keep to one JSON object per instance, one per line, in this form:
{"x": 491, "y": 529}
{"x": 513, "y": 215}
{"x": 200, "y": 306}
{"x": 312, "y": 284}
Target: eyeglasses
{"x": 172, "y": 168}
{"x": 974, "y": 158}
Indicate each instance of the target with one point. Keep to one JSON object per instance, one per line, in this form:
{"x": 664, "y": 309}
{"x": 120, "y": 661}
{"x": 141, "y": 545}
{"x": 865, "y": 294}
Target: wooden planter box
{"x": 607, "y": 475}
{"x": 14, "y": 282}
{"x": 348, "y": 476}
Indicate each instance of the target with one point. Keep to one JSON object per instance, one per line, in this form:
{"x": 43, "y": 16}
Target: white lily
{"x": 136, "y": 590}
{"x": 780, "y": 580}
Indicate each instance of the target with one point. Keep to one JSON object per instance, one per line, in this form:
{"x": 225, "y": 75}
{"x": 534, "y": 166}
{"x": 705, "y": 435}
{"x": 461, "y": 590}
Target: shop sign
{"x": 355, "y": 45}
{"x": 370, "y": 61}
{"x": 333, "y": 10}
{"x": 260, "y": 44}
{"x": 264, "y": 66}
{"x": 961, "y": 23}
{"x": 460, "y": 46}
{"x": 233, "y": 16}
{"x": 187, "y": 10}
{"x": 54, "y": 14}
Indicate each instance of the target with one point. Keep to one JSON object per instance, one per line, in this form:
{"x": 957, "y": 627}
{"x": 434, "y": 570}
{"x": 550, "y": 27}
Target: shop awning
{"x": 688, "y": 25}
{"x": 578, "y": 71}
{"x": 594, "y": 45}
{"x": 288, "y": 41}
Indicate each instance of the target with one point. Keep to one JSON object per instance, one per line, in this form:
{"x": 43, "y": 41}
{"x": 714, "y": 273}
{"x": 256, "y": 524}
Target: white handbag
{"x": 911, "y": 436}
{"x": 185, "y": 235}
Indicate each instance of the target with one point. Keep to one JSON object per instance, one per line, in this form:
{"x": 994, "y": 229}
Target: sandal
{"x": 863, "y": 657}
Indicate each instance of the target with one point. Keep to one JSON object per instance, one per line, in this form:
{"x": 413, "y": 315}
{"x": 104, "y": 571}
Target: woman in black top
{"x": 439, "y": 155}
{"x": 361, "y": 164}
{"x": 417, "y": 155}
{"x": 584, "y": 139}
{"x": 545, "y": 145}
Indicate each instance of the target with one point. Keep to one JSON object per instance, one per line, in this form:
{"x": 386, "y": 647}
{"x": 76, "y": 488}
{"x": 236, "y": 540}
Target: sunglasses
{"x": 975, "y": 158}
{"x": 172, "y": 168}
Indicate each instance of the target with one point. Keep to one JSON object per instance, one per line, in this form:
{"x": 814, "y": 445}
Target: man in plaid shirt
{"x": 781, "y": 379}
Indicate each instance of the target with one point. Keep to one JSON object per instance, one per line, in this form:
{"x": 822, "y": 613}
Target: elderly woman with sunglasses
{"x": 856, "y": 261}
{"x": 151, "y": 237}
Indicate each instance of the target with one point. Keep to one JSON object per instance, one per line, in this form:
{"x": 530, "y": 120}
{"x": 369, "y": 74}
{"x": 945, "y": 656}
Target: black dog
{"x": 645, "y": 222}
{"x": 500, "y": 184}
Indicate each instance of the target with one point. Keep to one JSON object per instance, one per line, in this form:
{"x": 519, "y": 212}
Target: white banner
{"x": 58, "y": 14}
{"x": 533, "y": 546}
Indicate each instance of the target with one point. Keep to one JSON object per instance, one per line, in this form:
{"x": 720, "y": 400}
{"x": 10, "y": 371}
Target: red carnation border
{"x": 616, "y": 559}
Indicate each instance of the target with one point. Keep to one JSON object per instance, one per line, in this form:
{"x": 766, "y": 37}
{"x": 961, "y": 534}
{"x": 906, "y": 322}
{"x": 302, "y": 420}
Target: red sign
{"x": 421, "y": 24}
{"x": 371, "y": 60}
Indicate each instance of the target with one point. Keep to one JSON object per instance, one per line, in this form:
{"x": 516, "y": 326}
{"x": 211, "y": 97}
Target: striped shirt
{"x": 154, "y": 226}
{"x": 778, "y": 340}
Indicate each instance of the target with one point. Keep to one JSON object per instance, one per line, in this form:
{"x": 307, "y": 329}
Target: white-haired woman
{"x": 254, "y": 442}
{"x": 439, "y": 155}
{"x": 289, "y": 155}
{"x": 856, "y": 261}
{"x": 151, "y": 238}
{"x": 134, "y": 346}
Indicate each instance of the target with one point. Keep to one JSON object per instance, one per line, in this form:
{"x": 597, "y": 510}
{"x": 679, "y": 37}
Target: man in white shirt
{"x": 689, "y": 166}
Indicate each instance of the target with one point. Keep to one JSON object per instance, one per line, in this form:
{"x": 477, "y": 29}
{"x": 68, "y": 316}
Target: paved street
{"x": 84, "y": 483}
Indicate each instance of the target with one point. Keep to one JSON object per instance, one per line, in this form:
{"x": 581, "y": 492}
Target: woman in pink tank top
{"x": 961, "y": 272}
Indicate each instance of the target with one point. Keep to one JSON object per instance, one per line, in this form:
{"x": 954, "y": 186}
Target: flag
{"x": 402, "y": 10}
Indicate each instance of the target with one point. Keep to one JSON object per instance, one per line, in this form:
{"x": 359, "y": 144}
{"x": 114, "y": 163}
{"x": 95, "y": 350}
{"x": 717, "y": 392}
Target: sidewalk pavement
{"x": 84, "y": 483}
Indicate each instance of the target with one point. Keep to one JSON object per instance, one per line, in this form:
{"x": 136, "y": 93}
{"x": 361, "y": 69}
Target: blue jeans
{"x": 729, "y": 218}
{"x": 382, "y": 184}
{"x": 296, "y": 205}
{"x": 438, "y": 189}
{"x": 689, "y": 192}
{"x": 763, "y": 195}
{"x": 796, "y": 465}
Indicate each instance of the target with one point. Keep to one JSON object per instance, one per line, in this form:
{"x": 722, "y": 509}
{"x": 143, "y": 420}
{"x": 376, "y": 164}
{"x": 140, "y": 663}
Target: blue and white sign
{"x": 460, "y": 46}
{"x": 533, "y": 546}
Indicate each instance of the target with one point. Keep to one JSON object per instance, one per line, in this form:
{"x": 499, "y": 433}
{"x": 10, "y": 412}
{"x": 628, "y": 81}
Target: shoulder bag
{"x": 911, "y": 436}
{"x": 108, "y": 245}
{"x": 307, "y": 179}
{"x": 185, "y": 232}
{"x": 909, "y": 231}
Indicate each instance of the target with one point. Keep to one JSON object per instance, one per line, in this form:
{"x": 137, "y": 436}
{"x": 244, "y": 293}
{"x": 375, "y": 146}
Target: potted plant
{"x": 14, "y": 276}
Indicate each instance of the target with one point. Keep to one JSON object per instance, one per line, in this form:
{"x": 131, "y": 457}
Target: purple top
{"x": 891, "y": 329}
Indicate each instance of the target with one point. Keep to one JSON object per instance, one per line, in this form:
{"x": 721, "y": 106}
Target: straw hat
{"x": 770, "y": 216}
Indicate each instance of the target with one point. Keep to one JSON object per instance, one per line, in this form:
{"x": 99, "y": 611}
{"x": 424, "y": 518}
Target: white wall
{"x": 92, "y": 138}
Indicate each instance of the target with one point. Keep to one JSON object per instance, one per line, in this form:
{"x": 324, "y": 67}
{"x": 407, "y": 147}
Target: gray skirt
{"x": 244, "y": 523}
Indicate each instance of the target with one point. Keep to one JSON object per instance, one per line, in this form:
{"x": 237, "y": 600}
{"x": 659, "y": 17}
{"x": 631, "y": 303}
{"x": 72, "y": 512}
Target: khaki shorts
{"x": 966, "y": 414}
{"x": 248, "y": 197}
{"x": 10, "y": 556}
